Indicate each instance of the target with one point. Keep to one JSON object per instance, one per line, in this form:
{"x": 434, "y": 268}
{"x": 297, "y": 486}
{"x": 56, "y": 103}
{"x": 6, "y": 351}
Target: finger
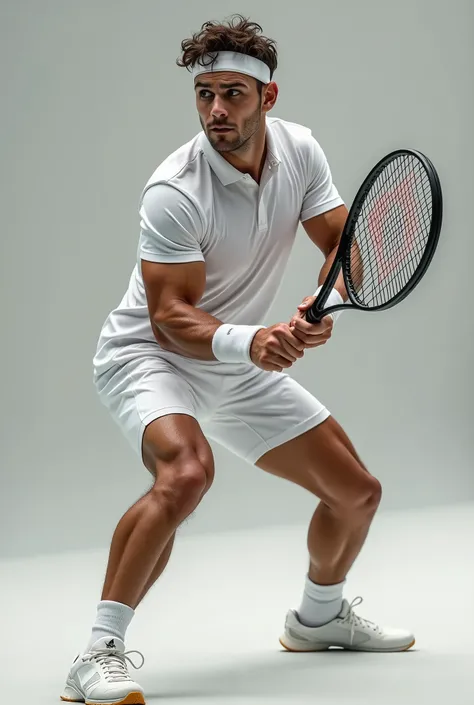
{"x": 280, "y": 362}
{"x": 312, "y": 332}
{"x": 295, "y": 348}
{"x": 306, "y": 340}
{"x": 286, "y": 344}
{"x": 286, "y": 352}
{"x": 300, "y": 314}
{"x": 328, "y": 320}
{"x": 320, "y": 328}
{"x": 292, "y": 343}
{"x": 311, "y": 341}
{"x": 316, "y": 343}
{"x": 296, "y": 317}
{"x": 277, "y": 351}
{"x": 306, "y": 304}
{"x": 309, "y": 328}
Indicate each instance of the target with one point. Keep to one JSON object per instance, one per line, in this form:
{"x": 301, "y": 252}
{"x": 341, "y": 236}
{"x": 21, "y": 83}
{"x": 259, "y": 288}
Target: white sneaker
{"x": 101, "y": 676}
{"x": 347, "y": 630}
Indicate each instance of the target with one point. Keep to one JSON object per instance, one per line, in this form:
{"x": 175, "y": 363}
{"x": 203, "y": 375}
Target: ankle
{"x": 320, "y": 603}
{"x": 112, "y": 620}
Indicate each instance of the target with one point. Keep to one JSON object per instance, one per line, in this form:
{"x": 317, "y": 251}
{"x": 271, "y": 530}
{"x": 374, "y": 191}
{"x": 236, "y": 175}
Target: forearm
{"x": 339, "y": 285}
{"x": 357, "y": 271}
{"x": 187, "y": 330}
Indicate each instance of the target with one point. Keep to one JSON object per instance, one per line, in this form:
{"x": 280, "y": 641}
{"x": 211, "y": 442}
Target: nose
{"x": 218, "y": 110}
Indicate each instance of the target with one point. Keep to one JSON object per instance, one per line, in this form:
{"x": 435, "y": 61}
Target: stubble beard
{"x": 242, "y": 141}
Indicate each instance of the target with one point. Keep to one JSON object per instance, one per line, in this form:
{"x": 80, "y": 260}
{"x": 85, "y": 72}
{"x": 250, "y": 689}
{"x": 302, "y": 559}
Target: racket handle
{"x": 313, "y": 316}
{"x": 317, "y": 312}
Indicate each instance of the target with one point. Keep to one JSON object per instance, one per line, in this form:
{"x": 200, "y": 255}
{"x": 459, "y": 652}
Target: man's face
{"x": 230, "y": 109}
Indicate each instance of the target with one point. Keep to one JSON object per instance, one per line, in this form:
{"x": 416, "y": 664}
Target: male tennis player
{"x": 184, "y": 357}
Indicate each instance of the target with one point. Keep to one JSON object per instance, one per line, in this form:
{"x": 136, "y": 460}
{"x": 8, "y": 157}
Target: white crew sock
{"x": 112, "y": 619}
{"x": 321, "y": 603}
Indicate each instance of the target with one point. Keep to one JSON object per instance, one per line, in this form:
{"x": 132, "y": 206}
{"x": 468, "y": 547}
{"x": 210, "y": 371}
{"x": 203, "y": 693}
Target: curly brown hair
{"x": 239, "y": 34}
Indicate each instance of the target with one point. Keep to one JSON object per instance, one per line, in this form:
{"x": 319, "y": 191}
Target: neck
{"x": 251, "y": 158}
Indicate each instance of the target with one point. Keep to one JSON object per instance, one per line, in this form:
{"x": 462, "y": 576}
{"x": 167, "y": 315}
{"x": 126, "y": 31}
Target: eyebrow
{"x": 232, "y": 84}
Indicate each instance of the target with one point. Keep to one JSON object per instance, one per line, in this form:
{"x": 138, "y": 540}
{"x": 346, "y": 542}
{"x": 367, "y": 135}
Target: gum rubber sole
{"x": 326, "y": 648}
{"x": 131, "y": 699}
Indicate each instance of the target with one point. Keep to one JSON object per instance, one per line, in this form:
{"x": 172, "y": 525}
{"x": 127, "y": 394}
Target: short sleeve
{"x": 171, "y": 227}
{"x": 321, "y": 194}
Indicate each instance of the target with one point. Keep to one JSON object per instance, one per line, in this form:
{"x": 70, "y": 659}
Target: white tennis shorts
{"x": 241, "y": 407}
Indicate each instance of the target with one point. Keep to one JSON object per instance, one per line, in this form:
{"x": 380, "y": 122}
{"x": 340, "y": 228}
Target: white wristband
{"x": 232, "y": 343}
{"x": 334, "y": 299}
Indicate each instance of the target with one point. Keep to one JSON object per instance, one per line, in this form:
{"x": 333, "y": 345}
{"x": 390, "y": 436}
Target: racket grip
{"x": 312, "y": 316}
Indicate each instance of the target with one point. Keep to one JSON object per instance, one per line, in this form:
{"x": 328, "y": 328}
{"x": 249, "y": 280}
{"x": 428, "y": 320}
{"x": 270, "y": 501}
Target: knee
{"x": 361, "y": 502}
{"x": 181, "y": 483}
{"x": 370, "y": 496}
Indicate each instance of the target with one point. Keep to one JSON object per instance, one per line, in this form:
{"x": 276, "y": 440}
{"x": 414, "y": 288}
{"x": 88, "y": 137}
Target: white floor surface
{"x": 209, "y": 628}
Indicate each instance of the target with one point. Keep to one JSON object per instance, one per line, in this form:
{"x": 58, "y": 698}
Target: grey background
{"x": 92, "y": 102}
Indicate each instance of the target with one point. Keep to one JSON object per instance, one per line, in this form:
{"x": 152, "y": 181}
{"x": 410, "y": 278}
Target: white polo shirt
{"x": 198, "y": 207}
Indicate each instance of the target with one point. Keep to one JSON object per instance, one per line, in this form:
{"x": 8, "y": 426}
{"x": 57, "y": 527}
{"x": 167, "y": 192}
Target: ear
{"x": 270, "y": 95}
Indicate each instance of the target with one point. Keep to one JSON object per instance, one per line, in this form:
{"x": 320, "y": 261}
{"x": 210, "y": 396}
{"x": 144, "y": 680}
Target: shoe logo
{"x": 230, "y": 331}
{"x": 110, "y": 644}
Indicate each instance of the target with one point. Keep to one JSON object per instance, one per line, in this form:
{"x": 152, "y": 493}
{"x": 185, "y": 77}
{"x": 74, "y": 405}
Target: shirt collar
{"x": 227, "y": 173}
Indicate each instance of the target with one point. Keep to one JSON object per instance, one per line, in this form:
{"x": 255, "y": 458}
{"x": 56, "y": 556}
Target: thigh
{"x": 142, "y": 391}
{"x": 262, "y": 410}
{"x": 323, "y": 461}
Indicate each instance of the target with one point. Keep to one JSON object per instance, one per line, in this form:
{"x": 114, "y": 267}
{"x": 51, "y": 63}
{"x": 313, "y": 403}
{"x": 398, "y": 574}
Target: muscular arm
{"x": 174, "y": 276}
{"x": 325, "y": 231}
{"x": 174, "y": 272}
{"x": 173, "y": 292}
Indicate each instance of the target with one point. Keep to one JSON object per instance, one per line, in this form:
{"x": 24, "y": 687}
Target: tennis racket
{"x": 390, "y": 235}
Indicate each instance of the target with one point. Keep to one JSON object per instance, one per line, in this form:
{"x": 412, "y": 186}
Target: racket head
{"x": 403, "y": 189}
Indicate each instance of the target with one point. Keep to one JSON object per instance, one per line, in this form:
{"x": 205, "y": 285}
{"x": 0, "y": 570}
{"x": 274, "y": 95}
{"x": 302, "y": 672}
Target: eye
{"x": 233, "y": 90}
{"x": 204, "y": 94}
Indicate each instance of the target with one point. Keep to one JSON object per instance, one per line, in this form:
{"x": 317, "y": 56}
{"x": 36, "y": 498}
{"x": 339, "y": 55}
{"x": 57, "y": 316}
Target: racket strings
{"x": 391, "y": 231}
{"x": 424, "y": 215}
{"x": 386, "y": 248}
{"x": 393, "y": 285}
{"x": 390, "y": 242}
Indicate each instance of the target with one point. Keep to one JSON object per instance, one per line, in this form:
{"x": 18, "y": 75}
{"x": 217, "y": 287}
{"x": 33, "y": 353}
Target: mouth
{"x": 221, "y": 130}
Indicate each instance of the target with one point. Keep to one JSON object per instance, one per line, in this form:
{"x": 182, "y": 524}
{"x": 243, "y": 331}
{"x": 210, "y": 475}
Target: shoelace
{"x": 355, "y": 621}
{"x": 114, "y": 663}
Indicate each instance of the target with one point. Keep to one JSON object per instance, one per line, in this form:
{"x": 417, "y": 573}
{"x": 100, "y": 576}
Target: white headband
{"x": 234, "y": 61}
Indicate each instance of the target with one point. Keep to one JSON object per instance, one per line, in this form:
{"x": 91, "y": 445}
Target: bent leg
{"x": 323, "y": 461}
{"x": 179, "y": 457}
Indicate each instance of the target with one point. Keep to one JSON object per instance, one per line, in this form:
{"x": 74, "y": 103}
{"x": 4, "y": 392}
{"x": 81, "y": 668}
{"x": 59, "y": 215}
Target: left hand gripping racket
{"x": 390, "y": 235}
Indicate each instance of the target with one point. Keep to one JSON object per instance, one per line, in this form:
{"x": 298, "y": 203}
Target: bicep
{"x": 325, "y": 229}
{"x": 172, "y": 263}
{"x": 171, "y": 227}
{"x": 321, "y": 194}
{"x": 168, "y": 285}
